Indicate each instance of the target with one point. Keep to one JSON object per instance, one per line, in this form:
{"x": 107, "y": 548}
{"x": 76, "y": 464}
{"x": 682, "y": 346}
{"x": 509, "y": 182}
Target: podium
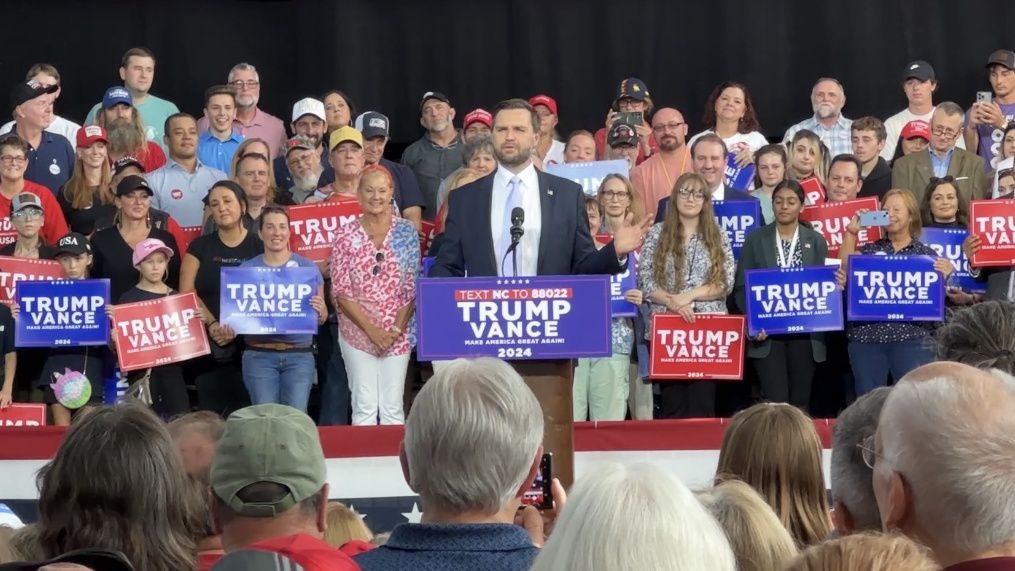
{"x": 552, "y": 383}
{"x": 537, "y": 324}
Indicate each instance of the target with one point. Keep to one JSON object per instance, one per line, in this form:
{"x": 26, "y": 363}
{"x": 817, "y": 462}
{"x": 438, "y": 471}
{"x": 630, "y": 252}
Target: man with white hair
{"x": 251, "y": 121}
{"x": 827, "y": 98}
{"x": 472, "y": 447}
{"x": 855, "y": 509}
{"x": 944, "y": 465}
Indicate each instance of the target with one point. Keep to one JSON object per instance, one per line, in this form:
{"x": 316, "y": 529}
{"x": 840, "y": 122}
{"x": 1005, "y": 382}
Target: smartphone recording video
{"x": 540, "y": 494}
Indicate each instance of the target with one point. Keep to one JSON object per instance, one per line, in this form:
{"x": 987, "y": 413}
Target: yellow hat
{"x": 343, "y": 134}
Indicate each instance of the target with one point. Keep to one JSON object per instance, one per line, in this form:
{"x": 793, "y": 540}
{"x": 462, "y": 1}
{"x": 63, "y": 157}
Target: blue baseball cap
{"x": 115, "y": 96}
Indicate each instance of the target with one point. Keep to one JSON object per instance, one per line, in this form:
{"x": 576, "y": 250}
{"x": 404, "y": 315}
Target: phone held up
{"x": 540, "y": 495}
{"x": 873, "y": 218}
{"x": 633, "y": 118}
{"x": 983, "y": 97}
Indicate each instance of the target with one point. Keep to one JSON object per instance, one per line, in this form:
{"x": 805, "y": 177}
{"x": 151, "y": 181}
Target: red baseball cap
{"x": 917, "y": 128}
{"x": 90, "y": 134}
{"x": 478, "y": 116}
{"x": 545, "y": 100}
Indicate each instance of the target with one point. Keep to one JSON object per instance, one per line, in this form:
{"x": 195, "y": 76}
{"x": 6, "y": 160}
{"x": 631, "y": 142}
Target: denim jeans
{"x": 283, "y": 378}
{"x": 333, "y": 381}
{"x": 873, "y": 361}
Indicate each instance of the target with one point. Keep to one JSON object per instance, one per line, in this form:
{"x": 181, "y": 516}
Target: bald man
{"x": 944, "y": 465}
{"x": 653, "y": 179}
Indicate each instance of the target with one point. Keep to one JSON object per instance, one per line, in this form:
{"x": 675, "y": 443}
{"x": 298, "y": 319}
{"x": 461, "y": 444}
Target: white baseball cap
{"x": 309, "y": 106}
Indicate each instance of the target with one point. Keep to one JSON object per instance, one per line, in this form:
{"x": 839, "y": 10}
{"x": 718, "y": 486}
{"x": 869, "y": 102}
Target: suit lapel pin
{"x": 549, "y": 191}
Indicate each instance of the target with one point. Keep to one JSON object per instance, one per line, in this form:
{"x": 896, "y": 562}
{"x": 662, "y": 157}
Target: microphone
{"x": 517, "y": 220}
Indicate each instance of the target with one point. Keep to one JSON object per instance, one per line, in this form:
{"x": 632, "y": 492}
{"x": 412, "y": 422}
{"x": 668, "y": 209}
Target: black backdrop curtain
{"x": 386, "y": 53}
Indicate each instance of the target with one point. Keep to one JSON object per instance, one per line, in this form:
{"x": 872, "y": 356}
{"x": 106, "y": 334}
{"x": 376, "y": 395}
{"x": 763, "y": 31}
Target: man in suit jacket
{"x": 708, "y": 155}
{"x": 557, "y": 239}
{"x": 941, "y": 158}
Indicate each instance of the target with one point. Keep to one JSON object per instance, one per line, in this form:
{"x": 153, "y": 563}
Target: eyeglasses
{"x": 667, "y": 127}
{"x": 614, "y": 195}
{"x": 686, "y": 193}
{"x": 943, "y": 132}
{"x": 867, "y": 452}
{"x": 249, "y": 84}
{"x": 27, "y": 215}
{"x": 13, "y": 159}
{"x": 379, "y": 258}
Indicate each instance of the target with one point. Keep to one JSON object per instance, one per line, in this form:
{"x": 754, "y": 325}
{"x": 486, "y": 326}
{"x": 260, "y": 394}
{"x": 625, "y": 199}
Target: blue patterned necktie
{"x": 514, "y": 199}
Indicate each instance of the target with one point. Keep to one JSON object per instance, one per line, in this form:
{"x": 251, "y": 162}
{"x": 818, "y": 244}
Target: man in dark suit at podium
{"x": 556, "y": 239}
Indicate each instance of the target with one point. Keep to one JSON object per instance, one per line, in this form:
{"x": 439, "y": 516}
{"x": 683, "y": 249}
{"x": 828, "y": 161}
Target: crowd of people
{"x": 921, "y": 475}
{"x": 122, "y": 197}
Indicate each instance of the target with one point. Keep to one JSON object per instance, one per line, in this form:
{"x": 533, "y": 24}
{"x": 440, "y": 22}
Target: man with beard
{"x": 251, "y": 121}
{"x": 308, "y": 120}
{"x": 438, "y": 152}
{"x": 408, "y": 197}
{"x": 180, "y": 187}
{"x": 48, "y": 75}
{"x": 556, "y": 240}
{"x": 126, "y": 132}
{"x": 828, "y": 98}
{"x": 708, "y": 154}
{"x": 654, "y": 178}
{"x": 304, "y": 168}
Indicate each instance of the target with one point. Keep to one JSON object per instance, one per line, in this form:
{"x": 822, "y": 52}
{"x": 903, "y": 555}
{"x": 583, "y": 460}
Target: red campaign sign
{"x": 14, "y": 270}
{"x": 429, "y": 231}
{"x": 710, "y": 348}
{"x": 158, "y": 332}
{"x": 994, "y": 222}
{"x": 190, "y": 233}
{"x": 814, "y": 191}
{"x": 831, "y": 218}
{"x": 314, "y": 227}
{"x": 23, "y": 415}
{"x": 8, "y": 234}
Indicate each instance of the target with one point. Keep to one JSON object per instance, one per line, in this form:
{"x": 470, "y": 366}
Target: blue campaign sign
{"x": 546, "y": 317}
{"x": 738, "y": 218}
{"x": 619, "y": 283}
{"x": 793, "y": 300}
{"x": 739, "y": 178}
{"x": 61, "y": 313}
{"x": 947, "y": 242}
{"x": 894, "y": 288}
{"x": 265, "y": 301}
{"x": 426, "y": 264}
{"x": 589, "y": 175}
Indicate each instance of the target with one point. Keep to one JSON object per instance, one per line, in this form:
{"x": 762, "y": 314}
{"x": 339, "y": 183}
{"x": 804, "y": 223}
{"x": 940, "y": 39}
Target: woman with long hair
{"x": 774, "y": 448}
{"x": 86, "y": 196}
{"x": 730, "y": 113}
{"x": 116, "y": 483}
{"x": 785, "y": 363}
{"x": 687, "y": 267}
{"x": 771, "y": 162}
{"x": 339, "y": 109}
{"x": 942, "y": 206}
{"x": 808, "y": 164}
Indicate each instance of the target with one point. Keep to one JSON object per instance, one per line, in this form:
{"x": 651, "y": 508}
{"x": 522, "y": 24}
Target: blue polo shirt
{"x": 218, "y": 154}
{"x": 181, "y": 193}
{"x": 452, "y": 547}
{"x": 52, "y": 163}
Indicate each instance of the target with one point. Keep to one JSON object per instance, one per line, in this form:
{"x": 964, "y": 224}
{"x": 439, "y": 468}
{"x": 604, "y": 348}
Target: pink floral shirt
{"x": 381, "y": 280}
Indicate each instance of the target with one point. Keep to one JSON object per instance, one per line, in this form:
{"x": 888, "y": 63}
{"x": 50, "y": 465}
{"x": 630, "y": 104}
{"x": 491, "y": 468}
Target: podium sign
{"x": 544, "y": 317}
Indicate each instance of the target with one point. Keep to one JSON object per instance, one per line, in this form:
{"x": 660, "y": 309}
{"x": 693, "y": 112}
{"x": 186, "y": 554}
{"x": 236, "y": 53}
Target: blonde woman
{"x": 808, "y": 164}
{"x": 455, "y": 180}
{"x": 775, "y": 449}
{"x": 601, "y": 385}
{"x": 758, "y": 539}
{"x": 867, "y": 551}
{"x": 344, "y": 525}
{"x": 687, "y": 267}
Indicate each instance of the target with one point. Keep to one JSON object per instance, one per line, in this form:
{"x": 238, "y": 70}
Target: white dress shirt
{"x": 719, "y": 192}
{"x": 528, "y": 247}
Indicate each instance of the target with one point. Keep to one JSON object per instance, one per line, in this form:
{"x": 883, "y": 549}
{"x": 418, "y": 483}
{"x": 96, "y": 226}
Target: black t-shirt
{"x": 45, "y": 252}
{"x": 214, "y": 255}
{"x": 83, "y": 219}
{"x": 113, "y": 258}
{"x": 6, "y": 332}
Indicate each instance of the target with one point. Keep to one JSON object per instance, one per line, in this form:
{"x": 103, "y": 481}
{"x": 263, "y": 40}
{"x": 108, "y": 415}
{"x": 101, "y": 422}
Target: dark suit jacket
{"x": 759, "y": 252}
{"x": 997, "y": 279}
{"x": 915, "y": 171}
{"x": 730, "y": 194}
{"x": 565, "y": 244}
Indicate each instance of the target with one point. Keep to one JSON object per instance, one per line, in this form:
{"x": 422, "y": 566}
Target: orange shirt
{"x": 653, "y": 179}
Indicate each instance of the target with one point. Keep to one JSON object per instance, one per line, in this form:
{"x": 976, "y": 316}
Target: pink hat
{"x": 149, "y": 246}
{"x": 916, "y": 128}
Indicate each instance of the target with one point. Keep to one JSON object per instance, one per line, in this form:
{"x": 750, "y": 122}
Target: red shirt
{"x": 153, "y": 157}
{"x": 601, "y": 149}
{"x": 54, "y": 225}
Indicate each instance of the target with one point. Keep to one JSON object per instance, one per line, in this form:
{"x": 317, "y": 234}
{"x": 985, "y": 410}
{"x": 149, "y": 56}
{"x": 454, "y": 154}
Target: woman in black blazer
{"x": 785, "y": 363}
